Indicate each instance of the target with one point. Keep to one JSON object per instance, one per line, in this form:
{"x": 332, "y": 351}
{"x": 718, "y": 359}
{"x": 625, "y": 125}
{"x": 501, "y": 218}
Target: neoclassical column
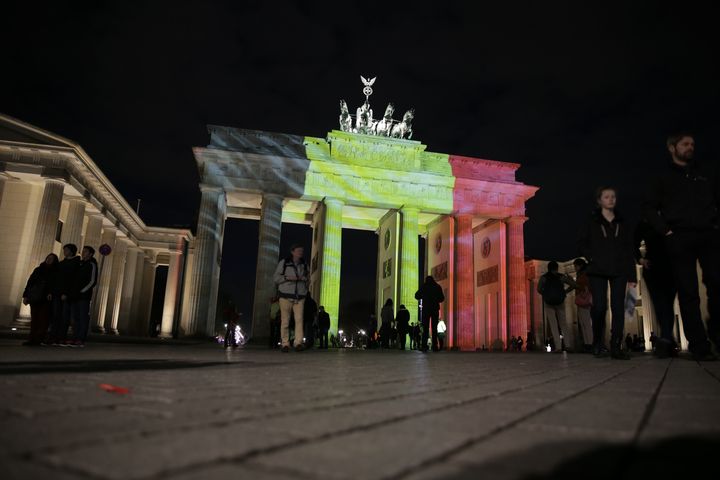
{"x": 267, "y": 260}
{"x": 142, "y": 322}
{"x": 137, "y": 293}
{"x": 409, "y": 268}
{"x": 208, "y": 237}
{"x": 47, "y": 220}
{"x": 464, "y": 266}
{"x": 116, "y": 285}
{"x": 172, "y": 287}
{"x": 45, "y": 231}
{"x": 3, "y": 179}
{"x": 93, "y": 232}
{"x": 73, "y": 225}
{"x": 128, "y": 289}
{"x": 517, "y": 301}
{"x": 332, "y": 253}
{"x": 102, "y": 290}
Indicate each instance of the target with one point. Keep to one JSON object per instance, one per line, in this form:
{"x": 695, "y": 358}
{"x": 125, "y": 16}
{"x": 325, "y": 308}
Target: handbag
{"x": 584, "y": 298}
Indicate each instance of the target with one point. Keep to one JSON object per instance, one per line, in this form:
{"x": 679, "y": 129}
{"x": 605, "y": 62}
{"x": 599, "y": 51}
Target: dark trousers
{"x": 427, "y": 318}
{"x": 402, "y": 339}
{"x": 323, "y": 339}
{"x": 274, "y": 334}
{"x": 61, "y": 318}
{"x": 685, "y": 250}
{"x": 661, "y": 286}
{"x": 39, "y": 321}
{"x": 599, "y": 289}
{"x": 80, "y": 311}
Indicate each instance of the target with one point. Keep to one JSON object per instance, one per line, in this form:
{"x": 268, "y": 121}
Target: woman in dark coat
{"x": 387, "y": 316}
{"x": 607, "y": 244}
{"x": 38, "y": 295}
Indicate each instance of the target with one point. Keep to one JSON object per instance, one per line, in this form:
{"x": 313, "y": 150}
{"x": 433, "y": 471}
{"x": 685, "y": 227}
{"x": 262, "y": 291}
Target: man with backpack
{"x": 552, "y": 288}
{"x": 291, "y": 277}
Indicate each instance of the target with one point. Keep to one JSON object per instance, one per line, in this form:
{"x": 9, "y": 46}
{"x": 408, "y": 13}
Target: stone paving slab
{"x": 198, "y": 411}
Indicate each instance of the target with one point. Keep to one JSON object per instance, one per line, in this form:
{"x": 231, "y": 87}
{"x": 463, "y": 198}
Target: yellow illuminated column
{"x": 409, "y": 268}
{"x": 332, "y": 250}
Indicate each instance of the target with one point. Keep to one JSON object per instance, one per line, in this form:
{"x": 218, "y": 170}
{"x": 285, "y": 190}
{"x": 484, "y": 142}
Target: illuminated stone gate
{"x": 471, "y": 210}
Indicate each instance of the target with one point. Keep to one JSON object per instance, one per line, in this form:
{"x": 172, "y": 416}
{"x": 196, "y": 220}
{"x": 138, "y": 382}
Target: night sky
{"x": 580, "y": 95}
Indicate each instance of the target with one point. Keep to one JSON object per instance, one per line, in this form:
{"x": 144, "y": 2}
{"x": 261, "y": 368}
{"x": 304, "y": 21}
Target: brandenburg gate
{"x": 371, "y": 175}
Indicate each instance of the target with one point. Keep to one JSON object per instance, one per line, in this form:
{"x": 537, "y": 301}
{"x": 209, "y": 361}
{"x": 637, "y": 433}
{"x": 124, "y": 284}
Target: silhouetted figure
{"x": 441, "y": 329}
{"x": 519, "y": 344}
{"x": 38, "y": 295}
{"x": 432, "y": 296}
{"x": 683, "y": 205}
{"x": 65, "y": 278}
{"x": 81, "y": 295}
{"x": 552, "y": 288}
{"x": 583, "y": 302}
{"x": 606, "y": 242}
{"x": 387, "y": 316}
{"x": 274, "y": 319}
{"x": 513, "y": 343}
{"x": 403, "y": 323}
{"x": 628, "y": 342}
{"x": 323, "y": 327}
{"x": 310, "y": 310}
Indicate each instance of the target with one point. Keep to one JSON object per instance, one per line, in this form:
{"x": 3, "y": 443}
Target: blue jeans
{"x": 80, "y": 310}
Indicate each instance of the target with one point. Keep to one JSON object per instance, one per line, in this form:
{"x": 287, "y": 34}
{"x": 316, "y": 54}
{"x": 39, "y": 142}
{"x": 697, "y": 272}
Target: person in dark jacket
{"x": 658, "y": 277}
{"x": 432, "y": 296}
{"x": 387, "y": 317}
{"x": 323, "y": 327}
{"x": 682, "y": 205}
{"x": 606, "y": 242}
{"x": 38, "y": 294}
{"x": 403, "y": 326}
{"x": 81, "y": 296}
{"x": 310, "y": 310}
{"x": 65, "y": 278}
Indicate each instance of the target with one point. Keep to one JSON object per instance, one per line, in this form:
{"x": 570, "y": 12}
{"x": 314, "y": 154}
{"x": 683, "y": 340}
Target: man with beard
{"x": 682, "y": 206}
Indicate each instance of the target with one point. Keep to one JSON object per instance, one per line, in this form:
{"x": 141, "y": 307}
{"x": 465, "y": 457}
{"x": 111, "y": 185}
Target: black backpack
{"x": 553, "y": 291}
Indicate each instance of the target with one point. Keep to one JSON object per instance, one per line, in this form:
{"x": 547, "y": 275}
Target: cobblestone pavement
{"x": 199, "y": 412}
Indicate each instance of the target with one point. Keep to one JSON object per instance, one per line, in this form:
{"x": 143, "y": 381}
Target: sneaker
{"x": 76, "y": 344}
{"x": 285, "y": 349}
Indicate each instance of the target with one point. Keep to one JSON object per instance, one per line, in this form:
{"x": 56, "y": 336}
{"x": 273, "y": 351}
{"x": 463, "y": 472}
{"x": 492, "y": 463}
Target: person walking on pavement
{"x": 323, "y": 327}
{"x": 683, "y": 206}
{"x": 551, "y": 286}
{"x": 291, "y": 277}
{"x": 606, "y": 241}
{"x": 403, "y": 326}
{"x": 38, "y": 294}
{"x": 432, "y": 296}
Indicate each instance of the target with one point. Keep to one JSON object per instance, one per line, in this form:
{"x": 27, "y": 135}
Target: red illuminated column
{"x": 518, "y": 313}
{"x": 465, "y": 308}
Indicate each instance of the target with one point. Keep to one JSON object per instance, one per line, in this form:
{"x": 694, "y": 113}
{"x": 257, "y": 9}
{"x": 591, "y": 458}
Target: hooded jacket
{"x": 608, "y": 247}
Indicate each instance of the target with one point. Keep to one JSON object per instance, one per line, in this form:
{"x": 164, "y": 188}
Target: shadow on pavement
{"x": 675, "y": 458}
{"x": 80, "y": 366}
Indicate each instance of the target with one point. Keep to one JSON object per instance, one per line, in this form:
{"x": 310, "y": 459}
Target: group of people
{"x": 679, "y": 228}
{"x": 59, "y": 294}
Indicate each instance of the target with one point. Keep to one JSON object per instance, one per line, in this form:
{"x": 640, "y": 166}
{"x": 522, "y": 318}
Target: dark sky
{"x": 579, "y": 94}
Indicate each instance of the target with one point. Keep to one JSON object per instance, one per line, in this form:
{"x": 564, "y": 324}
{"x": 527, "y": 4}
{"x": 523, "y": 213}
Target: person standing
{"x": 38, "y": 294}
{"x": 682, "y": 205}
{"x": 387, "y": 317}
{"x": 81, "y": 295}
{"x": 606, "y": 242}
{"x": 441, "y": 329}
{"x": 310, "y": 310}
{"x": 551, "y": 286}
{"x": 658, "y": 276}
{"x": 323, "y": 327}
{"x": 432, "y": 296}
{"x": 583, "y": 302}
{"x": 403, "y": 326}
{"x": 65, "y": 278}
{"x": 291, "y": 278}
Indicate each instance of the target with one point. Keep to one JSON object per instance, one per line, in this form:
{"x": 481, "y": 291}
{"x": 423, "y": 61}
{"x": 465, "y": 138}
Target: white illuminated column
{"x": 93, "y": 233}
{"x": 116, "y": 285}
{"x": 102, "y": 288}
{"x": 72, "y": 227}
{"x": 172, "y": 286}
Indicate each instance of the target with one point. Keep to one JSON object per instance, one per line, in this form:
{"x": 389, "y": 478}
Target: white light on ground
{"x": 547, "y": 348}
{"x": 13, "y": 329}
